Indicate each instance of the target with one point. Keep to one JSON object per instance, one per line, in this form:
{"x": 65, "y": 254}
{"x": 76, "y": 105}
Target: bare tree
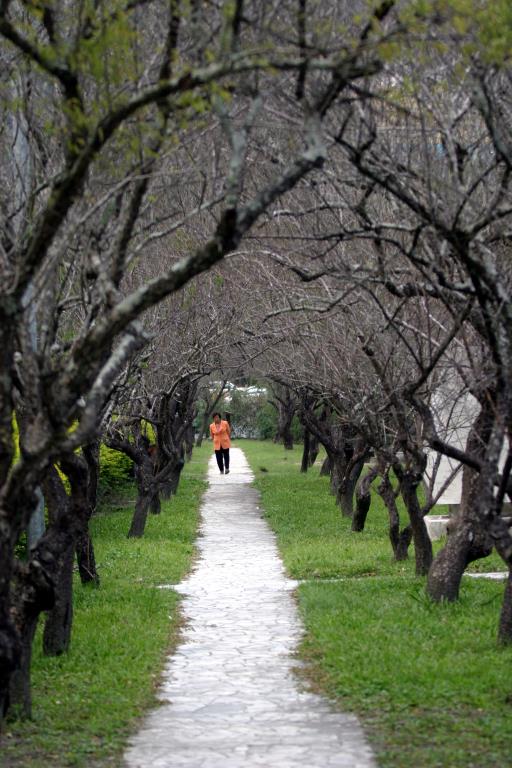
{"x": 75, "y": 261}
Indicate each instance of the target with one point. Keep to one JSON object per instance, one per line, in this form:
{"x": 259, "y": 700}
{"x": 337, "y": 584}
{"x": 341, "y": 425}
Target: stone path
{"x": 230, "y": 697}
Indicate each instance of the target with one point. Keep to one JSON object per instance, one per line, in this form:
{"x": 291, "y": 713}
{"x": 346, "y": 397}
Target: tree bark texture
{"x": 505, "y": 625}
{"x": 468, "y": 535}
{"x": 338, "y": 464}
{"x": 304, "y": 464}
{"x": 86, "y": 559}
{"x": 348, "y": 486}
{"x": 33, "y": 593}
{"x": 69, "y": 516}
{"x": 189, "y": 441}
{"x": 400, "y": 539}
{"x": 313, "y": 449}
{"x": 286, "y": 407}
{"x": 59, "y": 621}
{"x": 409, "y": 482}
{"x": 140, "y": 515}
{"x": 363, "y": 500}
{"x": 325, "y": 469}
{"x": 57, "y": 627}
{"x": 84, "y": 546}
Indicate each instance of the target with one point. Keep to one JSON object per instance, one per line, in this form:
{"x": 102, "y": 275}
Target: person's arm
{"x": 228, "y": 428}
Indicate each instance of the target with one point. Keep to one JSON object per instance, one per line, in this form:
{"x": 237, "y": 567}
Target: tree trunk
{"x": 86, "y": 559}
{"x": 466, "y": 542}
{"x": 446, "y": 573}
{"x": 400, "y": 540}
{"x": 505, "y": 625}
{"x": 189, "y": 441}
{"x": 468, "y": 537}
{"x": 140, "y": 514}
{"x": 338, "y": 466}
{"x": 57, "y": 628}
{"x": 173, "y": 479}
{"x": 59, "y": 621}
{"x": 33, "y": 593}
{"x": 348, "y": 487}
{"x": 10, "y": 646}
{"x": 343, "y": 487}
{"x": 203, "y": 430}
{"x": 84, "y": 545}
{"x": 287, "y": 436}
{"x": 155, "y": 505}
{"x": 20, "y": 693}
{"x": 402, "y": 543}
{"x": 10, "y": 649}
{"x": 361, "y": 512}
{"x": 325, "y": 469}
{"x": 363, "y": 501}
{"x": 304, "y": 465}
{"x": 286, "y": 408}
{"x": 58, "y": 625}
{"x": 146, "y": 490}
{"x": 36, "y": 582}
{"x": 313, "y": 449}
{"x": 409, "y": 482}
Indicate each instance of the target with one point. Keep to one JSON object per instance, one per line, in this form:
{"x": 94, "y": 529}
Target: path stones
{"x": 229, "y": 696}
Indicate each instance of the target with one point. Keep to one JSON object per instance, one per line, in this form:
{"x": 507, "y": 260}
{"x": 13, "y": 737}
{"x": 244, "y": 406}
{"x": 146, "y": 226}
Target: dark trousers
{"x": 222, "y": 457}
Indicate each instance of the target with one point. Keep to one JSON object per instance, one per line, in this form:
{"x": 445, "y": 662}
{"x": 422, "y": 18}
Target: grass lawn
{"x": 86, "y": 702}
{"x": 431, "y": 685}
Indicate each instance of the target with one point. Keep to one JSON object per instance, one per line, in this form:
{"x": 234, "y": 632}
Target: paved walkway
{"x": 231, "y": 699}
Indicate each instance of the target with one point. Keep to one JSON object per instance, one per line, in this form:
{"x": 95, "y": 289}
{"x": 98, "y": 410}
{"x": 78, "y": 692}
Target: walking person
{"x": 220, "y": 432}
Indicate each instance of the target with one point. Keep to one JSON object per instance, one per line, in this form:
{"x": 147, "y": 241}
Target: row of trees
{"x": 392, "y": 287}
{"x": 130, "y": 135}
{"x": 352, "y": 158}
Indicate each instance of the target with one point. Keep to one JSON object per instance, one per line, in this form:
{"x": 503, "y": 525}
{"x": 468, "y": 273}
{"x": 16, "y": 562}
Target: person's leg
{"x": 220, "y": 461}
{"x": 225, "y": 451}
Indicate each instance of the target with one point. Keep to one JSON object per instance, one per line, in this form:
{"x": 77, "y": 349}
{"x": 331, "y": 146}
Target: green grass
{"x": 429, "y": 682}
{"x": 86, "y": 702}
{"x": 314, "y": 538}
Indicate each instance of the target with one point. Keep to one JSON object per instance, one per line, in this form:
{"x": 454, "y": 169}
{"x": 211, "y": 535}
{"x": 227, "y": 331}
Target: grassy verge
{"x": 428, "y": 681}
{"x": 87, "y": 701}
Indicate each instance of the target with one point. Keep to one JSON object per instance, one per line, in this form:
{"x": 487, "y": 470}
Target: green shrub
{"x": 116, "y": 471}
{"x": 266, "y": 421}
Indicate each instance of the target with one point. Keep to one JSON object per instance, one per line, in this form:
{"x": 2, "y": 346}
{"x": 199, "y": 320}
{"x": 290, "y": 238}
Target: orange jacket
{"x": 220, "y": 435}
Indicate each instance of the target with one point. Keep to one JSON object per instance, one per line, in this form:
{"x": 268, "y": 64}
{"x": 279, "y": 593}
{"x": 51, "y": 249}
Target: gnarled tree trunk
{"x": 57, "y": 628}
{"x": 505, "y": 625}
{"x": 363, "y": 500}
{"x": 468, "y": 534}
{"x": 325, "y": 469}
{"x": 304, "y": 464}
{"x": 409, "y": 482}
{"x": 348, "y": 486}
{"x": 140, "y": 514}
{"x": 400, "y": 539}
{"x": 70, "y": 516}
{"x": 32, "y": 593}
{"x": 313, "y": 449}
{"x": 338, "y": 463}
{"x": 189, "y": 441}
{"x": 84, "y": 546}
{"x": 286, "y": 407}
